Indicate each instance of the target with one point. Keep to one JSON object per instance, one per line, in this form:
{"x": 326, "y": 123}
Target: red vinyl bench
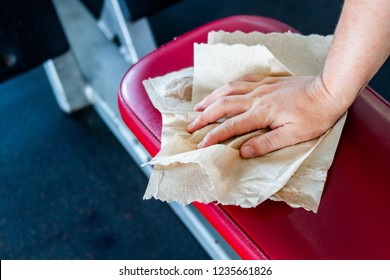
{"x": 353, "y": 221}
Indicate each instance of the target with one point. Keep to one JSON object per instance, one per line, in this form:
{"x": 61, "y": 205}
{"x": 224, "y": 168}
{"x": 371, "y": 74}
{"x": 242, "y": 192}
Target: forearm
{"x": 360, "y": 46}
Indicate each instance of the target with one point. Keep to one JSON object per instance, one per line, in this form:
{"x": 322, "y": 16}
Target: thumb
{"x": 273, "y": 140}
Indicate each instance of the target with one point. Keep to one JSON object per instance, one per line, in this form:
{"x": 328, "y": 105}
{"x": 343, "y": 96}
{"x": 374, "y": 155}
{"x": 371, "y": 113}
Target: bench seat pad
{"x": 353, "y": 221}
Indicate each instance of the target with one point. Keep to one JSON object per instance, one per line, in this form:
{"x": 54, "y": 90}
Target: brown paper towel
{"x": 185, "y": 174}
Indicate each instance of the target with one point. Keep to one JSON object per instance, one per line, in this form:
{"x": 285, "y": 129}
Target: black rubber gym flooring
{"x": 68, "y": 190}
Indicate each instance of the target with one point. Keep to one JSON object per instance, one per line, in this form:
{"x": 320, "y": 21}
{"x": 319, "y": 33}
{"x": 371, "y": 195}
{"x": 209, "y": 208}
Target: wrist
{"x": 341, "y": 91}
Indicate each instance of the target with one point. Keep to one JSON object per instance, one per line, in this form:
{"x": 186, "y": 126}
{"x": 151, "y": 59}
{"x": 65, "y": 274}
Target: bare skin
{"x": 297, "y": 109}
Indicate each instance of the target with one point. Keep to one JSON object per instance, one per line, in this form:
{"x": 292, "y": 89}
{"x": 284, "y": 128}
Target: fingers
{"x": 232, "y": 88}
{"x": 224, "y": 106}
{"x": 273, "y": 140}
{"x": 284, "y": 104}
{"x": 256, "y": 83}
{"x": 235, "y": 126}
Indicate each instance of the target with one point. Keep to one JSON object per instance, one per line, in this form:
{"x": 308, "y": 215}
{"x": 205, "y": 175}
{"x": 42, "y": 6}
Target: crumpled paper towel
{"x": 183, "y": 173}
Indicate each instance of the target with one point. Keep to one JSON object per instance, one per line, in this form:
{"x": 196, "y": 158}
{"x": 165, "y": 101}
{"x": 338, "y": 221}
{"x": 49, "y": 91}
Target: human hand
{"x": 296, "y": 109}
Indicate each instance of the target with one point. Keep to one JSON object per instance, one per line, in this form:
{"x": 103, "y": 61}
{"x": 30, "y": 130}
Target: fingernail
{"x": 247, "y": 151}
{"x": 191, "y": 126}
{"x": 200, "y": 145}
{"x": 197, "y": 106}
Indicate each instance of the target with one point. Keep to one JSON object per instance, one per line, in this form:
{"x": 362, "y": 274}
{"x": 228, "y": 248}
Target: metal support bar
{"x": 136, "y": 37}
{"x": 67, "y": 83}
{"x": 103, "y": 67}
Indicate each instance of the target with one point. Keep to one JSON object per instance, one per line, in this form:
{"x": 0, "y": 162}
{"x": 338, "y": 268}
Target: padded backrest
{"x": 141, "y": 8}
{"x": 27, "y": 38}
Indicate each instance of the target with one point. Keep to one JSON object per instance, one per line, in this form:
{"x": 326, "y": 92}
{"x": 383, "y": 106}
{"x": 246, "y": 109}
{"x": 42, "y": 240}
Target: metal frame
{"x": 136, "y": 37}
{"x": 102, "y": 65}
{"x": 67, "y": 83}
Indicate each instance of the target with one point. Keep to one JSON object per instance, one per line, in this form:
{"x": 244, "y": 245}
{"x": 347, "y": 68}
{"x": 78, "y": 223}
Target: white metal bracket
{"x": 67, "y": 83}
{"x": 136, "y": 37}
